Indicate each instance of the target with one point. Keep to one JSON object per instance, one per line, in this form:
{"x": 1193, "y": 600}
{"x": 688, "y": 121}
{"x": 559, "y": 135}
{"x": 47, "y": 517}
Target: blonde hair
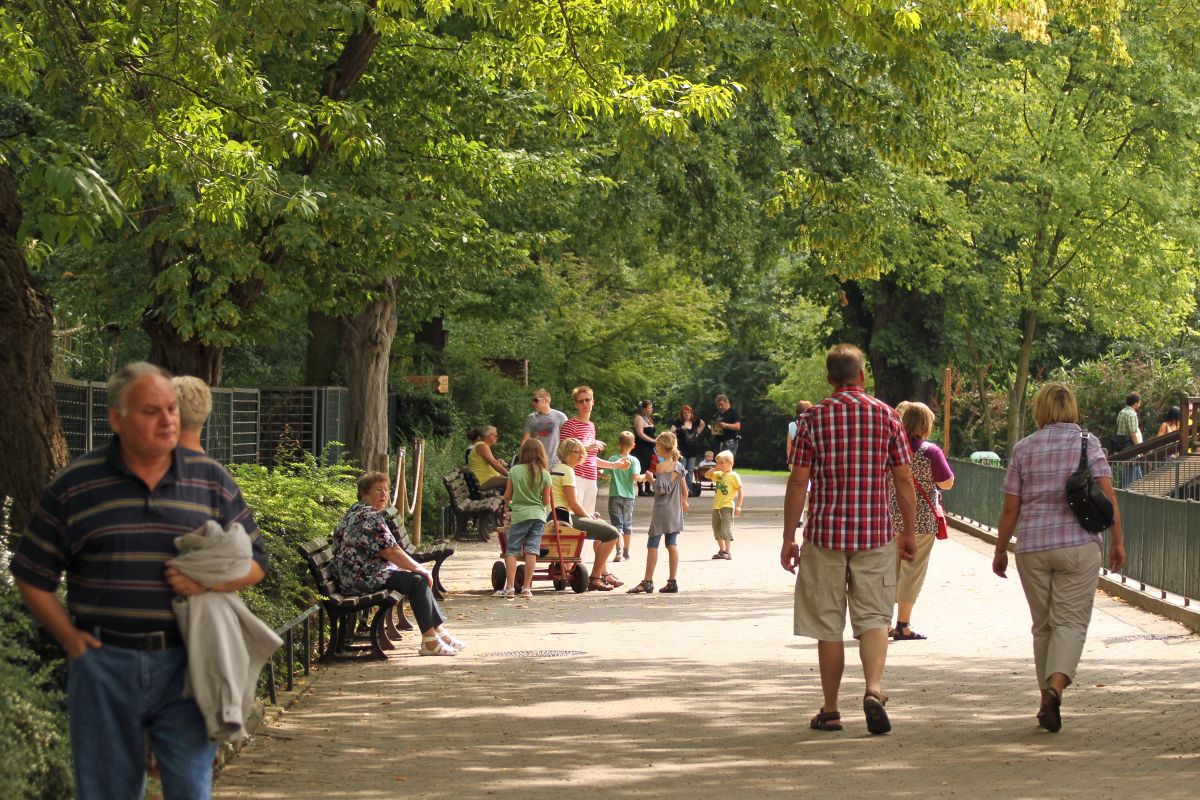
{"x": 725, "y": 455}
{"x": 533, "y": 453}
{"x": 917, "y": 419}
{"x": 667, "y": 441}
{"x": 625, "y": 439}
{"x": 541, "y": 393}
{"x": 195, "y": 401}
{"x": 578, "y": 390}
{"x": 568, "y": 446}
{"x": 1055, "y": 402}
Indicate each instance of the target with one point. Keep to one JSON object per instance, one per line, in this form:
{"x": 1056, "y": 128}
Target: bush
{"x": 1101, "y": 385}
{"x": 33, "y": 716}
{"x": 292, "y": 504}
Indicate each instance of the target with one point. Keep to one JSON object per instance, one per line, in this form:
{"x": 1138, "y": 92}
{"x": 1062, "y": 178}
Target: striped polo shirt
{"x": 586, "y": 433}
{"x": 113, "y": 536}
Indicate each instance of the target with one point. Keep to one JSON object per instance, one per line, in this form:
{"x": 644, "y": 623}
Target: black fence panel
{"x": 246, "y": 426}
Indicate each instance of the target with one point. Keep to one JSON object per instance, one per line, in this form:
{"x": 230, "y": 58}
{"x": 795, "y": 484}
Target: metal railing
{"x": 1162, "y": 534}
{"x": 288, "y": 632}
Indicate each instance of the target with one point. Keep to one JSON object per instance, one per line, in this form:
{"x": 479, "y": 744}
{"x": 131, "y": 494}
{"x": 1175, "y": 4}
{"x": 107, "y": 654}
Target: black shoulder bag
{"x": 1092, "y": 507}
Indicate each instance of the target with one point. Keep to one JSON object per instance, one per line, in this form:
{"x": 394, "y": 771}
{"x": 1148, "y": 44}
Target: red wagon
{"x": 559, "y": 562}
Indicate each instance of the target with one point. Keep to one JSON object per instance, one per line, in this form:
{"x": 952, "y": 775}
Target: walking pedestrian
{"x": 931, "y": 473}
{"x": 848, "y": 445}
{"x": 1057, "y": 560}
{"x": 109, "y": 520}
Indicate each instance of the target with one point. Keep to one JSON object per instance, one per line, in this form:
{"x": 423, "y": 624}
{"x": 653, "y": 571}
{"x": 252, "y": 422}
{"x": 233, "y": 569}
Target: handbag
{"x": 1091, "y": 505}
{"x": 943, "y": 531}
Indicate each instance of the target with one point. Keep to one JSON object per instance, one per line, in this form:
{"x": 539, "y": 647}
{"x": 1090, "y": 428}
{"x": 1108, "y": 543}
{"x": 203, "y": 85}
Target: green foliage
{"x": 1101, "y": 385}
{"x": 33, "y": 720}
{"x": 292, "y": 504}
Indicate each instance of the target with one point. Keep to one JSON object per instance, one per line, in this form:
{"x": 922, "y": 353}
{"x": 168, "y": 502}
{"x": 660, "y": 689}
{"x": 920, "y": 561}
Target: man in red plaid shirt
{"x": 848, "y": 446}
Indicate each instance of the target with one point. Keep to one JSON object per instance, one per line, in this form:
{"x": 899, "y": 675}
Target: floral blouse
{"x": 357, "y": 540}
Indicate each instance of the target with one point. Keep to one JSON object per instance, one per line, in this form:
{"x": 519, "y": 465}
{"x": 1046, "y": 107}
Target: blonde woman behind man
{"x": 195, "y": 404}
{"x": 1058, "y": 561}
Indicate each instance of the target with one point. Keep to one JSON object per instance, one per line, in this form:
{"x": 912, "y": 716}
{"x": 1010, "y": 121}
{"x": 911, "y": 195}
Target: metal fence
{"x": 1162, "y": 534}
{"x": 246, "y": 425}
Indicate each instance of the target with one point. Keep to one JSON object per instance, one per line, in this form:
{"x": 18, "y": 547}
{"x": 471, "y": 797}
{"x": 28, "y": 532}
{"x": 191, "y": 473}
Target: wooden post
{"x": 418, "y": 488}
{"x": 946, "y": 376}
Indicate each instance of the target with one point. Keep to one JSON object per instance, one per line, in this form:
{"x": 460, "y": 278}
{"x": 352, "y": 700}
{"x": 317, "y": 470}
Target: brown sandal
{"x": 645, "y": 587}
{"x": 826, "y": 721}
{"x": 598, "y": 585}
{"x": 877, "y": 718}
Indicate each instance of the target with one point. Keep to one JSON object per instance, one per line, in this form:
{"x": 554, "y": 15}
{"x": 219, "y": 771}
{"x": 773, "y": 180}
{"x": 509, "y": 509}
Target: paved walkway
{"x": 706, "y": 694}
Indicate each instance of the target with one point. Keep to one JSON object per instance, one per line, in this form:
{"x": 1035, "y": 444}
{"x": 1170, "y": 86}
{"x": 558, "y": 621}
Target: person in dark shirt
{"x": 727, "y": 425}
{"x": 110, "y": 520}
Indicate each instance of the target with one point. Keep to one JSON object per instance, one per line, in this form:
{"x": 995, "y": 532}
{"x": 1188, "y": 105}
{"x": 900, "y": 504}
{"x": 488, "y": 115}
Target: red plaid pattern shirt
{"x": 850, "y": 442}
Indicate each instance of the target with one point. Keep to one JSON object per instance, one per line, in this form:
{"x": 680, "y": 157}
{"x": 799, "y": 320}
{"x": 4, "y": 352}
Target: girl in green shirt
{"x": 528, "y": 496}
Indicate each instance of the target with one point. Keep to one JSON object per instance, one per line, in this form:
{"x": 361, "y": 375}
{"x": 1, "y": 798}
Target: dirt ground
{"x": 707, "y": 694}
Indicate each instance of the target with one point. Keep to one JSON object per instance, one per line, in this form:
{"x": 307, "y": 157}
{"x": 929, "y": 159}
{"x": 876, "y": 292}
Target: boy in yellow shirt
{"x": 724, "y": 507}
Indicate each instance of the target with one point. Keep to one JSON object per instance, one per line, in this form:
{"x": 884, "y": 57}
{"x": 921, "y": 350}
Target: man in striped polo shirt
{"x": 848, "y": 445}
{"x": 110, "y": 520}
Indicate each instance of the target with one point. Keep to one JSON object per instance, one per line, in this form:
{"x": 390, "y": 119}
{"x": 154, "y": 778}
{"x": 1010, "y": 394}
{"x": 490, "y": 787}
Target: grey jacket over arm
{"x": 226, "y": 644}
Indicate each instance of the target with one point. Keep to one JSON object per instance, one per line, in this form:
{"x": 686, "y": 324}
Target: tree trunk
{"x": 1016, "y": 396}
{"x": 324, "y": 353}
{"x": 878, "y": 318}
{"x": 179, "y": 356}
{"x": 32, "y": 446}
{"x": 369, "y": 336}
{"x": 985, "y": 407}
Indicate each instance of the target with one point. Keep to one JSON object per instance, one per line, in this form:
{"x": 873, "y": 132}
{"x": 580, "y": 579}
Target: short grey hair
{"x": 126, "y": 376}
{"x": 195, "y": 401}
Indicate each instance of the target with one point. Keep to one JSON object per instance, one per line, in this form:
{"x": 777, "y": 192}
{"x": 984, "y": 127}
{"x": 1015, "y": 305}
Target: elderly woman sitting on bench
{"x": 367, "y": 558}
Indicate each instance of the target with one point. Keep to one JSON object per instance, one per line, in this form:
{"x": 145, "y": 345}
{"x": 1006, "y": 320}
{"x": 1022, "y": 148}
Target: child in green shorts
{"x": 727, "y": 503}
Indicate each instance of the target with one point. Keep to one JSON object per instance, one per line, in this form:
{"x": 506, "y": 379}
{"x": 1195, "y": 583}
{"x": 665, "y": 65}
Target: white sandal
{"x": 441, "y": 648}
{"x": 453, "y": 641}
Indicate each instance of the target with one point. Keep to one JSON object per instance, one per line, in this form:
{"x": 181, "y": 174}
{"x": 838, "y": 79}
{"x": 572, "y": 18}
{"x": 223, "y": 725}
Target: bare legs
{"x": 510, "y": 570}
{"x": 672, "y": 561}
{"x": 872, "y": 651}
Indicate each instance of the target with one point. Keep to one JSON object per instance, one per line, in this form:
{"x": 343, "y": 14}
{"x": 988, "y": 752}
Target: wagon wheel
{"x": 560, "y": 585}
{"x": 520, "y": 576}
{"x": 579, "y": 579}
{"x": 498, "y": 575}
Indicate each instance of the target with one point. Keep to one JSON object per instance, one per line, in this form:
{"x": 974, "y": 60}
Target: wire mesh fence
{"x": 245, "y": 426}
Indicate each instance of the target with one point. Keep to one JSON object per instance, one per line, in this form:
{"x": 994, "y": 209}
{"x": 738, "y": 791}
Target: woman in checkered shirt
{"x": 1058, "y": 561}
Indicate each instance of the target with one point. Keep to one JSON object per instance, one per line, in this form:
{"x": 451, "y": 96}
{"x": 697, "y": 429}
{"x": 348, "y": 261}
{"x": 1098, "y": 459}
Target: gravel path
{"x": 706, "y": 694}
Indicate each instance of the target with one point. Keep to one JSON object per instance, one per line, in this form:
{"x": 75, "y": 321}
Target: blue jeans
{"x": 620, "y": 513}
{"x": 116, "y": 698}
{"x": 525, "y": 537}
{"x": 655, "y": 539}
{"x": 689, "y": 466}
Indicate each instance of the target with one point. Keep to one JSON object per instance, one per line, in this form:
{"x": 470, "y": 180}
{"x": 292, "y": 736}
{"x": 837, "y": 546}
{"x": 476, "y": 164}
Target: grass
{"x": 772, "y": 473}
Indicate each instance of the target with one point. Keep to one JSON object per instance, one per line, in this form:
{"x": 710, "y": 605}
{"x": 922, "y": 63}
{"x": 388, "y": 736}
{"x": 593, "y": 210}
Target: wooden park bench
{"x": 470, "y": 515}
{"x": 343, "y": 608}
{"x": 436, "y": 553}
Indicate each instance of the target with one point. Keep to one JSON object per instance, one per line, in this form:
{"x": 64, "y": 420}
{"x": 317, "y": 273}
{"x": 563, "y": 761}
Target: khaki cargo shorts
{"x": 830, "y": 582}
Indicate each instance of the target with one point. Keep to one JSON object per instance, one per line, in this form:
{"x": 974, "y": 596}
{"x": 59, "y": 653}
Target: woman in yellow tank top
{"x": 487, "y": 469}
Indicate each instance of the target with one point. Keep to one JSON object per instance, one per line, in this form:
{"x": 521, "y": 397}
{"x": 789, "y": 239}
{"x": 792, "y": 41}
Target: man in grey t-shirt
{"x": 544, "y": 424}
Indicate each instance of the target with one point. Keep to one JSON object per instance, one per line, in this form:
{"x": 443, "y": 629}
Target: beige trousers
{"x": 910, "y": 575}
{"x": 1060, "y": 585}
